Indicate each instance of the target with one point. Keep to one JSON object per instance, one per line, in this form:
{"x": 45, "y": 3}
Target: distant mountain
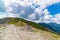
{"x": 52, "y": 26}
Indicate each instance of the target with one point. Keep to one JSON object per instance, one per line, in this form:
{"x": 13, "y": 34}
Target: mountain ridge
{"x": 20, "y": 26}
{"x": 52, "y": 26}
{"x": 10, "y": 20}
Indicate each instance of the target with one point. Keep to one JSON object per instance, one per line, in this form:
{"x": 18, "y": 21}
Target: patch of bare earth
{"x": 14, "y": 33}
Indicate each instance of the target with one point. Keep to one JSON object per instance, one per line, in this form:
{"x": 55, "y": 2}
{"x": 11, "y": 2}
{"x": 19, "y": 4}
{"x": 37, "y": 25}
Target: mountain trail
{"x": 11, "y": 32}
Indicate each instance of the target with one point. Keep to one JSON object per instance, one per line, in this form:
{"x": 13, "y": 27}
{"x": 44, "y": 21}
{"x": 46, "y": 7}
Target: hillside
{"x": 25, "y": 30}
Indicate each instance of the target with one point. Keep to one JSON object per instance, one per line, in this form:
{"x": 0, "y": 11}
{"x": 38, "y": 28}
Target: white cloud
{"x": 8, "y": 2}
{"x": 2, "y": 15}
{"x": 57, "y": 15}
{"x": 24, "y": 8}
{"x": 46, "y": 17}
{"x": 9, "y": 9}
{"x": 12, "y": 15}
{"x": 32, "y": 16}
{"x": 56, "y": 18}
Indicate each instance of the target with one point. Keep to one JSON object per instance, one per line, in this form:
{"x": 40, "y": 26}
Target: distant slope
{"x": 52, "y": 26}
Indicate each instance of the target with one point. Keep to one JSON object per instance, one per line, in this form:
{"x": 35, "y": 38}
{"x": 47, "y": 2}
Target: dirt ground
{"x": 10, "y": 32}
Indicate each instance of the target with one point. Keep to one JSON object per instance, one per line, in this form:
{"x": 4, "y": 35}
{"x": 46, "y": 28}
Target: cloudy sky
{"x": 39, "y": 11}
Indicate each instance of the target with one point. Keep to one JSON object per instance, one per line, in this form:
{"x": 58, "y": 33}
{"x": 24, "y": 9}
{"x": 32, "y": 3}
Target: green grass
{"x": 16, "y": 21}
{"x": 19, "y": 22}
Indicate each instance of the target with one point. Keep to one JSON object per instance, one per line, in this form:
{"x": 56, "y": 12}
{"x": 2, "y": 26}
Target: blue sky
{"x": 46, "y": 11}
{"x": 2, "y": 8}
{"x": 54, "y": 9}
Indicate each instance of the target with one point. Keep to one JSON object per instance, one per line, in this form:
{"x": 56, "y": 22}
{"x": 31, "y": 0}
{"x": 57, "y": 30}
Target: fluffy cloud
{"x": 34, "y": 10}
{"x": 47, "y": 18}
{"x": 32, "y": 16}
{"x": 56, "y": 18}
{"x": 2, "y": 15}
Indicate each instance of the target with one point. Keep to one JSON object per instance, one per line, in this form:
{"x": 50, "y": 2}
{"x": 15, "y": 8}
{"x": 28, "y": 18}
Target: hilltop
{"x": 25, "y": 30}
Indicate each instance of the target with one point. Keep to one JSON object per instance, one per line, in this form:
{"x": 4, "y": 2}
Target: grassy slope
{"x": 40, "y": 28}
{"x": 19, "y": 21}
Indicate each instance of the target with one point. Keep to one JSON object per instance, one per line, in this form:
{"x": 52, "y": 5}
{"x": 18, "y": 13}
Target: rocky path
{"x": 12, "y": 33}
